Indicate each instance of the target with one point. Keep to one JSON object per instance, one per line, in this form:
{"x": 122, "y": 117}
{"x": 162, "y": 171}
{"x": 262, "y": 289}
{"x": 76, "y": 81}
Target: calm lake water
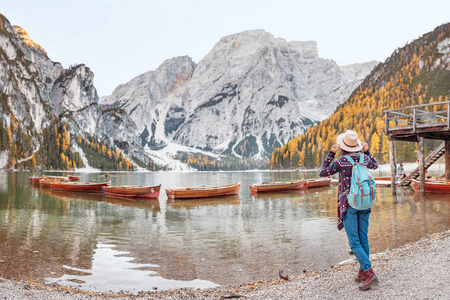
{"x": 103, "y": 244}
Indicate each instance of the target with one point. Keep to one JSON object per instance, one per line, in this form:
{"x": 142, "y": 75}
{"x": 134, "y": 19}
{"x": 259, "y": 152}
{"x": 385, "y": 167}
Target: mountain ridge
{"x": 248, "y": 95}
{"x": 246, "y": 67}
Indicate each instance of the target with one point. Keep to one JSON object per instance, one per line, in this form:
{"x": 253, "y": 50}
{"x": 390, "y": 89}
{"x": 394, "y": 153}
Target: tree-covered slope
{"x": 415, "y": 74}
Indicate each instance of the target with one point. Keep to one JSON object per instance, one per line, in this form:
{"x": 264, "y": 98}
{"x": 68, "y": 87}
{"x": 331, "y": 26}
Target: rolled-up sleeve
{"x": 328, "y": 168}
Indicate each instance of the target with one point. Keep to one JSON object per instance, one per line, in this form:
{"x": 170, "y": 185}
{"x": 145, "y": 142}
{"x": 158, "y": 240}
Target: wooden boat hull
{"x": 318, "y": 182}
{"x": 433, "y": 186}
{"x": 278, "y": 186}
{"x": 203, "y": 192}
{"x": 383, "y": 178}
{"x": 133, "y": 191}
{"x": 79, "y": 186}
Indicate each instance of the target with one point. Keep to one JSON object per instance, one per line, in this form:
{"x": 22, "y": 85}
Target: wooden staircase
{"x": 434, "y": 156}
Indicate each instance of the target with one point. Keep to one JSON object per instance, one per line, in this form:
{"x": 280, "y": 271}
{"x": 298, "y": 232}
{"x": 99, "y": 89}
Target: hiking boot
{"x": 371, "y": 279}
{"x": 360, "y": 277}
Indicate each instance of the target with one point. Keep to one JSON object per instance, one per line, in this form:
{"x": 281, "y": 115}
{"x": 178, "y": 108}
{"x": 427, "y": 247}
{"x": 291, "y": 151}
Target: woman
{"x": 356, "y": 222}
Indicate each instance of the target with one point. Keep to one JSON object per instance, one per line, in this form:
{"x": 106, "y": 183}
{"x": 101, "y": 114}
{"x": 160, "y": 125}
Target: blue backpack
{"x": 362, "y": 186}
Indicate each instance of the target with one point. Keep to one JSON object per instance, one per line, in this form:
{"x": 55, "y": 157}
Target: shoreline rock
{"x": 413, "y": 271}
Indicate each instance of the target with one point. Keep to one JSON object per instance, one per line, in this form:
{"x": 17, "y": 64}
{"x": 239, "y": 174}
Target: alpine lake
{"x": 101, "y": 244}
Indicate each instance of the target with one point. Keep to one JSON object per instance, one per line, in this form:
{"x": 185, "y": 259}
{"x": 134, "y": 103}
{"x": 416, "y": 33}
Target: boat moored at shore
{"x": 278, "y": 186}
{"x": 204, "y": 191}
{"x": 35, "y": 179}
{"x": 434, "y": 185}
{"x": 318, "y": 182}
{"x": 79, "y": 186}
{"x": 133, "y": 191}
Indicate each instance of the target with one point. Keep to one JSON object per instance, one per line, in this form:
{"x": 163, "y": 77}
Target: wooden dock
{"x": 415, "y": 124}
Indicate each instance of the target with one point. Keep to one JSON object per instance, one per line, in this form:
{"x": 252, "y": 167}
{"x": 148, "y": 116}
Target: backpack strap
{"x": 350, "y": 159}
{"x": 356, "y": 173}
{"x": 361, "y": 161}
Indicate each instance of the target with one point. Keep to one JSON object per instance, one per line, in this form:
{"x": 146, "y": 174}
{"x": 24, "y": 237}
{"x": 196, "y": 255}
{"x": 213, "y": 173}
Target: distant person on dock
{"x": 356, "y": 222}
{"x": 401, "y": 172}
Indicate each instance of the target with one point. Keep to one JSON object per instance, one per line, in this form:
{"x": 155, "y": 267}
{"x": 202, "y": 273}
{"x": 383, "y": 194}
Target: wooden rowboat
{"x": 79, "y": 186}
{"x": 441, "y": 186}
{"x": 318, "y": 182}
{"x": 73, "y": 178}
{"x": 203, "y": 192}
{"x": 47, "y": 183}
{"x": 133, "y": 191}
{"x": 35, "y": 179}
{"x": 60, "y": 178}
{"x": 278, "y": 186}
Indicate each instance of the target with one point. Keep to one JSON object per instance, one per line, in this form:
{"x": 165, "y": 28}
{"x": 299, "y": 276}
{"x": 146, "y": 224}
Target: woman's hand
{"x": 365, "y": 146}
{"x": 335, "y": 148}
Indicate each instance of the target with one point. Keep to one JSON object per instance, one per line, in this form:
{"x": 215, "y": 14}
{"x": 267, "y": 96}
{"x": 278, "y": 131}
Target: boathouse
{"x": 415, "y": 124}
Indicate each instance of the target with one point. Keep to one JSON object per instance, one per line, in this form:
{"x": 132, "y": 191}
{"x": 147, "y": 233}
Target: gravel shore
{"x": 414, "y": 271}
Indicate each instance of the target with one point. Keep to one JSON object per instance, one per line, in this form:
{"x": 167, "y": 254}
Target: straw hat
{"x": 349, "y": 141}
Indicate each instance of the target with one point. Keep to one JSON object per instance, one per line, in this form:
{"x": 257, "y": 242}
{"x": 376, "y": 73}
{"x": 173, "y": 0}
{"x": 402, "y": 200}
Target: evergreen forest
{"x": 54, "y": 150}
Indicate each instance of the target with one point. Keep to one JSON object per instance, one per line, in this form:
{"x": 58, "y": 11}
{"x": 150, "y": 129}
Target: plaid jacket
{"x": 344, "y": 167}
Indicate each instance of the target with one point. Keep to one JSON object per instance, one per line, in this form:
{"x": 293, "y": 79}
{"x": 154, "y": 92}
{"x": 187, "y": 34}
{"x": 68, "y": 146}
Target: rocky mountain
{"x": 250, "y": 94}
{"x": 34, "y": 90}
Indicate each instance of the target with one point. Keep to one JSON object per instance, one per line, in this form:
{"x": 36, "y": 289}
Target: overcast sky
{"x": 120, "y": 39}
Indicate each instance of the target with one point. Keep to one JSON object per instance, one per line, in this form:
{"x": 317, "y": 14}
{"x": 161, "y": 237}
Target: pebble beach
{"x": 413, "y": 271}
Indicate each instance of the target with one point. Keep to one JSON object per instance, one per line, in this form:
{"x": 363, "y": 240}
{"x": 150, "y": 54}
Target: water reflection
{"x": 149, "y": 204}
{"x": 87, "y": 240}
{"x": 193, "y": 203}
{"x": 110, "y": 265}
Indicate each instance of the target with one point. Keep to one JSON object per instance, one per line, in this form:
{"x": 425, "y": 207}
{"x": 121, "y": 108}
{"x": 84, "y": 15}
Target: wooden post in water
{"x": 447, "y": 160}
{"x": 421, "y": 165}
{"x": 391, "y": 158}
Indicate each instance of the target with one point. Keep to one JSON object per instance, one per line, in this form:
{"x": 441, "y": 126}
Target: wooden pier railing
{"x": 406, "y": 122}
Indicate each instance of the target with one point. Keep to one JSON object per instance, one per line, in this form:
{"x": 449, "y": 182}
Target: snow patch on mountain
{"x": 29, "y": 157}
{"x": 167, "y": 156}
{"x": 4, "y": 155}
{"x": 87, "y": 168}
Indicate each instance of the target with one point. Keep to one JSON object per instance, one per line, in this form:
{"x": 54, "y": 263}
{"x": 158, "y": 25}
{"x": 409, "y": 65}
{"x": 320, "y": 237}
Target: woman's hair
{"x": 343, "y": 152}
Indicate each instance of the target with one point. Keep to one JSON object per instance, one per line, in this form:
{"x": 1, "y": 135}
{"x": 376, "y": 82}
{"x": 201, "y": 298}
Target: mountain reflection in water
{"x": 105, "y": 244}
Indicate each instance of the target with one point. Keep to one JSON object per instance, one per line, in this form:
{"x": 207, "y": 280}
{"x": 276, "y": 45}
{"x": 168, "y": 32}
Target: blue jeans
{"x": 356, "y": 224}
